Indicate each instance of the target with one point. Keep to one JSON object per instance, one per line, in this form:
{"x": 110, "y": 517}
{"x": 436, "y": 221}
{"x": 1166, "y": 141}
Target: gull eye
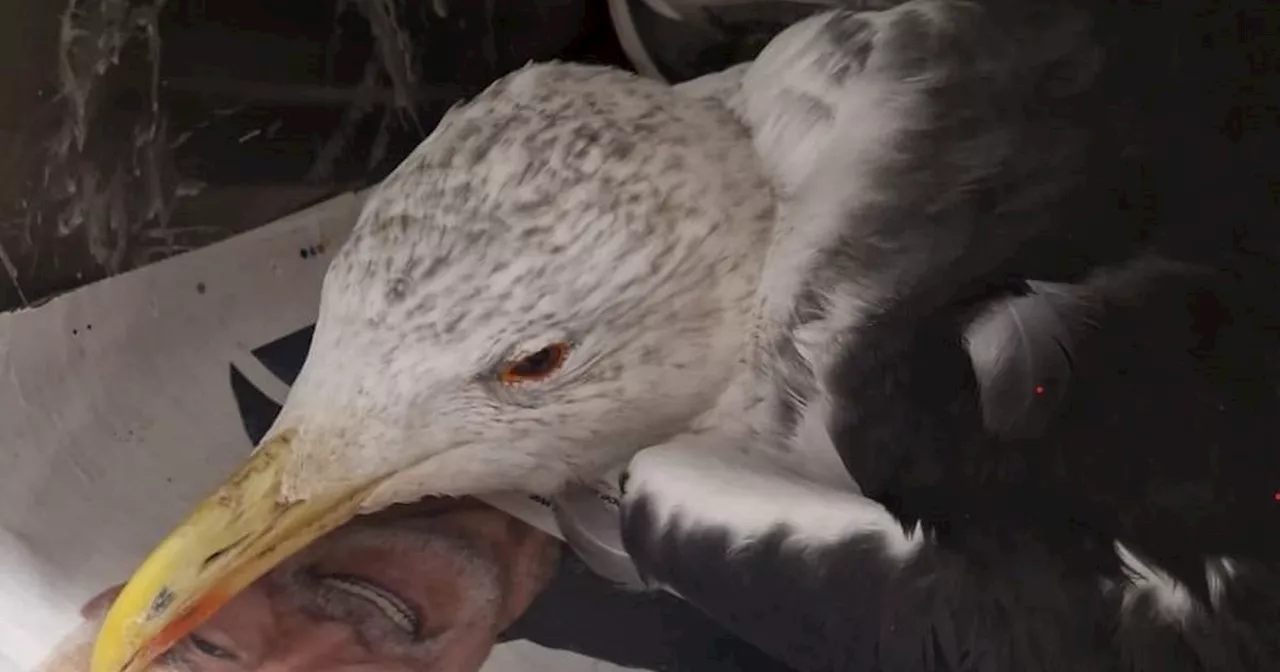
{"x": 535, "y": 366}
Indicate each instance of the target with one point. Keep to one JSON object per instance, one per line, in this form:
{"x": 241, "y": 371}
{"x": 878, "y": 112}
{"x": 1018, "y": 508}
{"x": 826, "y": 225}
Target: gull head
{"x": 562, "y": 274}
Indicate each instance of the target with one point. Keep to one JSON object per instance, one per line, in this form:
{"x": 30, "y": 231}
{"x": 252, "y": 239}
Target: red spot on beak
{"x": 185, "y": 624}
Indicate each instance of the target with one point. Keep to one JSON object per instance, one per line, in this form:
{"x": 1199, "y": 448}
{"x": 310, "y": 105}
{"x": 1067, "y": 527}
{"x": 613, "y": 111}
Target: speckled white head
{"x": 564, "y": 204}
{"x": 618, "y": 220}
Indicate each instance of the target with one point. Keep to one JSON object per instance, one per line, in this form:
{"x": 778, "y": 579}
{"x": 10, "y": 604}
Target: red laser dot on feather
{"x": 1039, "y": 389}
{"x": 1276, "y": 496}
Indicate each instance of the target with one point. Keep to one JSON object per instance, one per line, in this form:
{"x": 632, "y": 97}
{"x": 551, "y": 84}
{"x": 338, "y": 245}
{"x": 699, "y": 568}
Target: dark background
{"x": 220, "y": 116}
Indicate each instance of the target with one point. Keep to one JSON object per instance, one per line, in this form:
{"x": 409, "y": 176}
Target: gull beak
{"x": 237, "y": 534}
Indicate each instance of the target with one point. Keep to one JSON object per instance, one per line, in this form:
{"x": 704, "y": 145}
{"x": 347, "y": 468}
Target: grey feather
{"x": 1022, "y": 354}
{"x": 1022, "y": 348}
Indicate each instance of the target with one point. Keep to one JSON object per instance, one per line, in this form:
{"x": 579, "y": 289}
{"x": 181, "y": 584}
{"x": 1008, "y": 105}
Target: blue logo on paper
{"x": 283, "y": 357}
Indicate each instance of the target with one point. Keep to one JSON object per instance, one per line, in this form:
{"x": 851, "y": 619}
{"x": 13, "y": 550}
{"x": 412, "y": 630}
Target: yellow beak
{"x": 231, "y": 539}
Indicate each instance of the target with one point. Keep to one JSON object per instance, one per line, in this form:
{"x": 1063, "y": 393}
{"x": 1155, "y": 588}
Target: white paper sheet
{"x": 117, "y": 413}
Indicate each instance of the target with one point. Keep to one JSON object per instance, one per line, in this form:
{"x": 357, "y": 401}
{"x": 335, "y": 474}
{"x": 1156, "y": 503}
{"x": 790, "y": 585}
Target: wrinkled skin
{"x": 467, "y": 570}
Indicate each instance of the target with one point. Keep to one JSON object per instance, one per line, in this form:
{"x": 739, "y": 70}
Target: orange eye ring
{"x": 534, "y": 366}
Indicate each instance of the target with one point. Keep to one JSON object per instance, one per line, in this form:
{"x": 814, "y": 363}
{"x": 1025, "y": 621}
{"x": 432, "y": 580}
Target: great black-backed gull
{"x": 762, "y": 290}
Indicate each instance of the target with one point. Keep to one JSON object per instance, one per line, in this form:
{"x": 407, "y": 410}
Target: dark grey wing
{"x": 930, "y": 158}
{"x": 826, "y": 580}
{"x": 1141, "y": 402}
{"x": 934, "y": 158}
{"x": 1160, "y": 437}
